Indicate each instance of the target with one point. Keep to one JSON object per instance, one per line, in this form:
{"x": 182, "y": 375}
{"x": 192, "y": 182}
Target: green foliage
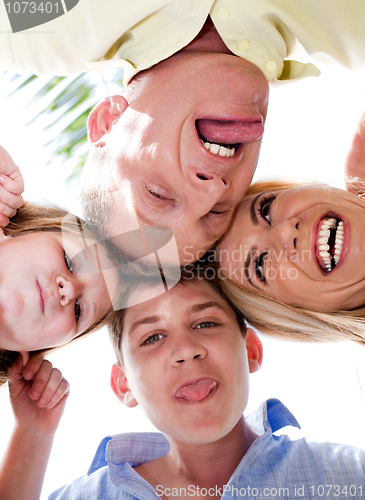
{"x": 62, "y": 105}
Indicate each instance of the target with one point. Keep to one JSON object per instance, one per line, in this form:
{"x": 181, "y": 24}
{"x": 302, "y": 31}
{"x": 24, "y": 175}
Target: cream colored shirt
{"x": 136, "y": 34}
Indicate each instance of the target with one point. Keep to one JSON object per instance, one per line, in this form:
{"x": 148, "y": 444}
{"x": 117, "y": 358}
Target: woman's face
{"x": 44, "y": 300}
{"x": 302, "y": 246}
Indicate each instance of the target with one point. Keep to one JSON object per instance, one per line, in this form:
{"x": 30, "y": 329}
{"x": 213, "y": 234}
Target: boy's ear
{"x": 102, "y": 117}
{"x": 254, "y": 350}
{"x": 119, "y": 384}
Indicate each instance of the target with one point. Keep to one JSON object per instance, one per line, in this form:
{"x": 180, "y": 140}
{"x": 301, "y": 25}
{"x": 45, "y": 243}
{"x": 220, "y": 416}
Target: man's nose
{"x": 67, "y": 290}
{"x": 212, "y": 187}
{"x": 186, "y": 349}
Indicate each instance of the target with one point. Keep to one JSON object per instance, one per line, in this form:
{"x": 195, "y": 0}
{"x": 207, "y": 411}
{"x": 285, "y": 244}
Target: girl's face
{"x": 302, "y": 246}
{"x": 44, "y": 301}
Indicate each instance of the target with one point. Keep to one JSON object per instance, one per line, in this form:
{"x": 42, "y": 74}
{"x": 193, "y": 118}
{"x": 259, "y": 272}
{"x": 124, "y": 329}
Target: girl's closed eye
{"x": 70, "y": 267}
{"x": 69, "y": 263}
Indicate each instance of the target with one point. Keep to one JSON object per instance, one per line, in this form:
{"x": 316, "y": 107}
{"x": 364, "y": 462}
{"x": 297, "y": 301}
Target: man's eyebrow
{"x": 148, "y": 320}
{"x": 253, "y": 211}
{"x": 248, "y": 262}
{"x": 206, "y": 305}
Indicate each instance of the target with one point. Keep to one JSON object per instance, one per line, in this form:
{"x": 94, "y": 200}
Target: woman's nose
{"x": 284, "y": 234}
{"x": 67, "y": 290}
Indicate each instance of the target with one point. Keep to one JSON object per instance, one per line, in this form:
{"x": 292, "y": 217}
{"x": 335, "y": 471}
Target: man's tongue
{"x": 229, "y": 132}
{"x": 196, "y": 392}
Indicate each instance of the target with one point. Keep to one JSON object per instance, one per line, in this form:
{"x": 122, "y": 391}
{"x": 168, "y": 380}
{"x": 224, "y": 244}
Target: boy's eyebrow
{"x": 206, "y": 305}
{"x": 144, "y": 321}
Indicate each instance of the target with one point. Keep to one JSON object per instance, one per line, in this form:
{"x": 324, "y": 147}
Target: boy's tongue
{"x": 196, "y": 392}
{"x": 229, "y": 132}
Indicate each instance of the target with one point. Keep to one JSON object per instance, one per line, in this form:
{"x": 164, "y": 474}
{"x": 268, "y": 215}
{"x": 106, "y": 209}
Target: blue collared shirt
{"x": 273, "y": 467}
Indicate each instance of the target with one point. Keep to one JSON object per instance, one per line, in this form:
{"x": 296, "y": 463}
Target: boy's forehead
{"x": 187, "y": 297}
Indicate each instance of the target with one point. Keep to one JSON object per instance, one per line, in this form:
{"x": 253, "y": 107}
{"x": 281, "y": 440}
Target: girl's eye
{"x": 153, "y": 339}
{"x": 69, "y": 262}
{"x": 206, "y": 324}
{"x": 265, "y": 208}
{"x": 259, "y": 267}
{"x": 77, "y": 310}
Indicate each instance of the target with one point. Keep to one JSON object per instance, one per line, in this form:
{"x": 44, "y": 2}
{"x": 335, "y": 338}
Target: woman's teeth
{"x": 330, "y": 261}
{"x": 216, "y": 149}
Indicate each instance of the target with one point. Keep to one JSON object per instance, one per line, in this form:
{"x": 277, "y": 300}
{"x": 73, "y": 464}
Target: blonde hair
{"x": 280, "y": 320}
{"x": 34, "y": 217}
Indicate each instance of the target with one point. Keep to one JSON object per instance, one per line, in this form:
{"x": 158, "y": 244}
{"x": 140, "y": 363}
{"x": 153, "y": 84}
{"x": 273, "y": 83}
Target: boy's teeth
{"x": 216, "y": 149}
{"x": 323, "y": 246}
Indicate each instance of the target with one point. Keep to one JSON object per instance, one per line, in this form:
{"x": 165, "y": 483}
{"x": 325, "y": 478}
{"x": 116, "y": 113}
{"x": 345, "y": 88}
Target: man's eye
{"x": 259, "y": 267}
{"x": 206, "y": 324}
{"x": 69, "y": 262}
{"x": 265, "y": 208}
{"x": 153, "y": 339}
{"x": 77, "y": 310}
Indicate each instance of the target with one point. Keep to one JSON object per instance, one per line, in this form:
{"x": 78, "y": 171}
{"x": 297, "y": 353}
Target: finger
{"x": 4, "y": 221}
{"x": 51, "y": 388}
{"x": 40, "y": 380}
{"x": 7, "y": 210}
{"x": 32, "y": 367}
{"x": 13, "y": 185}
{"x": 8, "y": 167}
{"x": 7, "y": 196}
{"x": 62, "y": 392}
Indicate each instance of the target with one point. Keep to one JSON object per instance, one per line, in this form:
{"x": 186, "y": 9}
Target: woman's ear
{"x": 254, "y": 350}
{"x": 3, "y": 237}
{"x": 103, "y": 116}
{"x": 119, "y": 384}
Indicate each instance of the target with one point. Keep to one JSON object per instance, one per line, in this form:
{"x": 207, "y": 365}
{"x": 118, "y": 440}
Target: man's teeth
{"x": 323, "y": 240}
{"x": 216, "y": 149}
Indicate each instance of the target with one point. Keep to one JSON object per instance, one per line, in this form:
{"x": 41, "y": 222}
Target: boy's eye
{"x": 69, "y": 262}
{"x": 152, "y": 339}
{"x": 77, "y": 310}
{"x": 265, "y": 208}
{"x": 259, "y": 267}
{"x": 206, "y": 324}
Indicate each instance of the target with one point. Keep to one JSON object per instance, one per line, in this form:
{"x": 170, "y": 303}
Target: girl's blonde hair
{"x": 34, "y": 217}
{"x": 277, "y": 319}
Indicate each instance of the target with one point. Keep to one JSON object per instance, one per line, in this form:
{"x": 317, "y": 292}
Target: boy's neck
{"x": 208, "y": 39}
{"x": 207, "y": 466}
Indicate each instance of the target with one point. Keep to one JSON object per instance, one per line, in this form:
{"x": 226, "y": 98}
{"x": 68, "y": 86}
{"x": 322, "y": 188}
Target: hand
{"x": 38, "y": 395}
{"x": 11, "y": 188}
{"x": 355, "y": 162}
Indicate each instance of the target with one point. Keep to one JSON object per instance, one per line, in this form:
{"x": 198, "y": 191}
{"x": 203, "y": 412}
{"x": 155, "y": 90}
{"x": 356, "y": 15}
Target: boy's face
{"x": 187, "y": 363}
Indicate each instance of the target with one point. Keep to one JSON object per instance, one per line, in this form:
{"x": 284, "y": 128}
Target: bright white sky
{"x": 308, "y": 133}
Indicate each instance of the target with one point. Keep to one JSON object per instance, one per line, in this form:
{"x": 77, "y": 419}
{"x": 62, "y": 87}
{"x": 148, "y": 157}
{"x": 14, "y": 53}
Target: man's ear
{"x": 119, "y": 384}
{"x": 254, "y": 350}
{"x": 102, "y": 117}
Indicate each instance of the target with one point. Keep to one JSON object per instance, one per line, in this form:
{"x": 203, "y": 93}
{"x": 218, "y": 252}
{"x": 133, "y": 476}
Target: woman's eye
{"x": 259, "y": 267}
{"x": 265, "y": 208}
{"x": 69, "y": 262}
{"x": 206, "y": 324}
{"x": 153, "y": 339}
{"x": 77, "y": 310}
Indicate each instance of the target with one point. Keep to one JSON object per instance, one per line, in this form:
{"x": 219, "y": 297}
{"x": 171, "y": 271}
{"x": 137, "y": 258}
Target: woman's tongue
{"x": 197, "y": 391}
{"x": 229, "y": 132}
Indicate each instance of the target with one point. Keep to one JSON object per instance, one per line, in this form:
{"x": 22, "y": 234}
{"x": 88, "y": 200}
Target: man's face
{"x": 155, "y": 144}
{"x": 187, "y": 363}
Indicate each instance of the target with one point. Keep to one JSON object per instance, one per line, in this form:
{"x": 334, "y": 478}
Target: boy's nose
{"x": 186, "y": 350}
{"x": 67, "y": 290}
{"x": 212, "y": 187}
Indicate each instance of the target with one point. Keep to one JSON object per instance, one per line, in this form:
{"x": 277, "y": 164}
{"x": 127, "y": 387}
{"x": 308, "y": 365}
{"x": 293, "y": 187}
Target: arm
{"x": 38, "y": 395}
{"x": 355, "y": 162}
{"x": 11, "y": 187}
